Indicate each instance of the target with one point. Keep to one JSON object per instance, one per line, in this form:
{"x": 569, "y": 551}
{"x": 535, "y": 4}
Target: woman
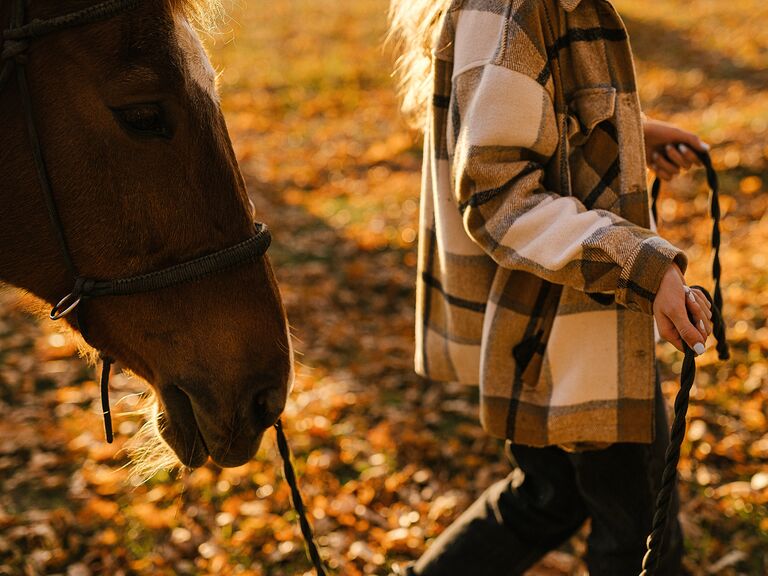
{"x": 539, "y": 274}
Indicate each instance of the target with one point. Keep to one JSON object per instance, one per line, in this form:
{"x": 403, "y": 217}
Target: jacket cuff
{"x": 642, "y": 273}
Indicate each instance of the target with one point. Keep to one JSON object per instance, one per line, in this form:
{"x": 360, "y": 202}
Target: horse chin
{"x": 179, "y": 429}
{"x": 231, "y": 458}
{"x": 194, "y": 433}
{"x": 188, "y": 446}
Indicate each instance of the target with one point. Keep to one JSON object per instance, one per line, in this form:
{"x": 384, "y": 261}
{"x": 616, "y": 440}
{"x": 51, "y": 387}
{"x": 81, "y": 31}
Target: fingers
{"x": 703, "y": 301}
{"x": 678, "y": 158}
{"x": 671, "y": 307}
{"x": 692, "y": 141}
{"x": 688, "y": 332}
{"x": 698, "y": 311}
{"x": 668, "y": 331}
{"x": 688, "y": 154}
{"x": 663, "y": 167}
{"x": 662, "y": 174}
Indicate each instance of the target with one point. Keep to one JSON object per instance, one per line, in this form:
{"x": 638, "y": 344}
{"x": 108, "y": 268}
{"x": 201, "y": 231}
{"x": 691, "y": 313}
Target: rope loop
{"x": 652, "y": 559}
{"x": 14, "y": 50}
{"x": 714, "y": 211}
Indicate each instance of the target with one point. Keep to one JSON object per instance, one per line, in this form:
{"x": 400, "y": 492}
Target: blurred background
{"x": 387, "y": 460}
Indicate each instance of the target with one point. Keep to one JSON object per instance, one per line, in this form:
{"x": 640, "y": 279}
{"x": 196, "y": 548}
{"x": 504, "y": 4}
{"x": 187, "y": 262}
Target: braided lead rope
{"x": 298, "y": 501}
{"x": 652, "y": 558}
{"x": 714, "y": 210}
{"x": 717, "y": 295}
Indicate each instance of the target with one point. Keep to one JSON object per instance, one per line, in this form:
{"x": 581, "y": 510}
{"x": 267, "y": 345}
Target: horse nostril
{"x": 265, "y": 408}
{"x": 259, "y": 405}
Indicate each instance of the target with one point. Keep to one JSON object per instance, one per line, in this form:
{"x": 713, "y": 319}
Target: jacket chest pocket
{"x": 587, "y": 108}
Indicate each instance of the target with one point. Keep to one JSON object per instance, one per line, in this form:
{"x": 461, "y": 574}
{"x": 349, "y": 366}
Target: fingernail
{"x": 655, "y": 156}
{"x": 706, "y": 146}
{"x": 691, "y": 297}
{"x": 699, "y": 349}
{"x": 682, "y": 148}
{"x": 701, "y": 325}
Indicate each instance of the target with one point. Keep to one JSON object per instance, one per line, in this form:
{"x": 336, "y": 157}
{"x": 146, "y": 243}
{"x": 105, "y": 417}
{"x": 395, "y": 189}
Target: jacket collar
{"x": 569, "y": 5}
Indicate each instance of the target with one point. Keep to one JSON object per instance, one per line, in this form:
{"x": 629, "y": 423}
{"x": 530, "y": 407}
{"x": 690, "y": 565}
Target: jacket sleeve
{"x": 503, "y": 131}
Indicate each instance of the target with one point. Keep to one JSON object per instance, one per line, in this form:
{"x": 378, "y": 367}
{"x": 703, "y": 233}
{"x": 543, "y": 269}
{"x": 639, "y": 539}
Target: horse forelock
{"x": 197, "y": 65}
{"x": 203, "y": 13}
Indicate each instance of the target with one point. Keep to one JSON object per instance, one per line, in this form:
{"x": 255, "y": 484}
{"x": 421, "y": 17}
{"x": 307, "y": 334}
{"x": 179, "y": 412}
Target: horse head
{"x": 143, "y": 176}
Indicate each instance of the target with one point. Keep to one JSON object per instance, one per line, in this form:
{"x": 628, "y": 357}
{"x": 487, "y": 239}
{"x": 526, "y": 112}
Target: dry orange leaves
{"x": 386, "y": 460}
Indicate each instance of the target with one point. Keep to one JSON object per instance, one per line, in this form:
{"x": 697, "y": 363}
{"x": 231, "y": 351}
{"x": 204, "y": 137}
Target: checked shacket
{"x": 537, "y": 267}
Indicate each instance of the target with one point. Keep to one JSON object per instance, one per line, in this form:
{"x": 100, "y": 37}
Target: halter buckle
{"x": 65, "y": 306}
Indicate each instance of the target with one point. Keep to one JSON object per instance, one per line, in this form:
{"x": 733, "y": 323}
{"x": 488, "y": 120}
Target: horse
{"x": 116, "y": 162}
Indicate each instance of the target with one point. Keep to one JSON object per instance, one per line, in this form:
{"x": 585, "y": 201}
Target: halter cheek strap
{"x": 106, "y": 369}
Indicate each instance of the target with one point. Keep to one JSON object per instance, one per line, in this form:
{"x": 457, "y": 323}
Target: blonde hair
{"x": 413, "y": 26}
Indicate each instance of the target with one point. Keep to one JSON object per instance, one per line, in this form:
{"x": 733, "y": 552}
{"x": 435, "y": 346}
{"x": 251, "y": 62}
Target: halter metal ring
{"x": 65, "y": 306}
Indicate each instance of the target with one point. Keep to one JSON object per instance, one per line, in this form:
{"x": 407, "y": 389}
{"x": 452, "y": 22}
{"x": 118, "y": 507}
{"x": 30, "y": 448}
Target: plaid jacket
{"x": 537, "y": 267}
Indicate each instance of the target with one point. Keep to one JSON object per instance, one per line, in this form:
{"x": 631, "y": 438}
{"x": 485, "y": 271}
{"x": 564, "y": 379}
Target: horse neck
{"x": 30, "y": 257}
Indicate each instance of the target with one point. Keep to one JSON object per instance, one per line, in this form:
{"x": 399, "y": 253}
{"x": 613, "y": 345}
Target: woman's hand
{"x": 674, "y": 300}
{"x": 669, "y": 149}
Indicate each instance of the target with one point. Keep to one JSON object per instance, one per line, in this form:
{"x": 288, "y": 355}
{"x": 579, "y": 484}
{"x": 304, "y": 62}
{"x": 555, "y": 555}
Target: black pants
{"x": 513, "y": 524}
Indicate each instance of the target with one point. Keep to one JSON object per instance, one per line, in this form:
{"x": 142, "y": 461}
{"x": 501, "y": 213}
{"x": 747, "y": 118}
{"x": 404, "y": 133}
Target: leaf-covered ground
{"x": 387, "y": 460}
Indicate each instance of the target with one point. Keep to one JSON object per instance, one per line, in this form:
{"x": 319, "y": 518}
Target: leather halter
{"x": 15, "y": 42}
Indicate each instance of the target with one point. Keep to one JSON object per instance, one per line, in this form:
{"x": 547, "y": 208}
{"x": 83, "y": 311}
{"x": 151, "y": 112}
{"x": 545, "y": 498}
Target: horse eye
{"x": 143, "y": 120}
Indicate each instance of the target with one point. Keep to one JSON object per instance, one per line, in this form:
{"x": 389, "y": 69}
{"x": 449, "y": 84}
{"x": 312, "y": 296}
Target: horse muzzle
{"x": 196, "y": 426}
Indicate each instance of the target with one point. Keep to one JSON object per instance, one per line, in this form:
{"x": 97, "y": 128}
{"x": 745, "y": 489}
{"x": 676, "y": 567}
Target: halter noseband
{"x": 15, "y": 42}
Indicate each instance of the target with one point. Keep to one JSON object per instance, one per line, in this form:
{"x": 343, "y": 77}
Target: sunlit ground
{"x": 388, "y": 461}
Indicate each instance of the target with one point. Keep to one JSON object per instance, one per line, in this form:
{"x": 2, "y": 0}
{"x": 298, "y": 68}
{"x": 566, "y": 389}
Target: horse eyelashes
{"x": 145, "y": 120}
